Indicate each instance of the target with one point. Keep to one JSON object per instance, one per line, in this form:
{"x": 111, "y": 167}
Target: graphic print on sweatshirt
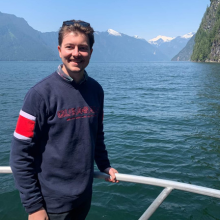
{"x": 79, "y": 112}
{"x": 25, "y": 126}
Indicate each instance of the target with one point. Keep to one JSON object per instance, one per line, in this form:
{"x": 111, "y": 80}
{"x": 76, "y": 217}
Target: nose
{"x": 75, "y": 52}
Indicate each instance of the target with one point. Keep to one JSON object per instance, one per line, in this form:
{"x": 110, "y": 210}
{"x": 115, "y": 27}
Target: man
{"x": 59, "y": 133}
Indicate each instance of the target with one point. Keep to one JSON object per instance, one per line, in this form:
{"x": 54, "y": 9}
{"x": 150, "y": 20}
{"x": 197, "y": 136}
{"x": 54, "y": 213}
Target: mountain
{"x": 186, "y": 53}
{"x": 207, "y": 40}
{"x": 157, "y": 41}
{"x": 113, "y": 46}
{"x": 19, "y": 41}
{"x": 51, "y": 40}
{"x": 171, "y": 46}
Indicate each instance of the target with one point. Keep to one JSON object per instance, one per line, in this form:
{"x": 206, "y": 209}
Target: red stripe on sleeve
{"x": 25, "y": 127}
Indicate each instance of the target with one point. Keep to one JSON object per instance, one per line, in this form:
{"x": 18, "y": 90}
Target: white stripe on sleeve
{"x": 28, "y": 116}
{"x": 21, "y": 137}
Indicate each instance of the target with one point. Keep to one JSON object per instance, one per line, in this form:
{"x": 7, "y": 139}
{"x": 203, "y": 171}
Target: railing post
{"x": 156, "y": 203}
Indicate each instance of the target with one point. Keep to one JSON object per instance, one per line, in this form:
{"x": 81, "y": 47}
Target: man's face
{"x": 75, "y": 53}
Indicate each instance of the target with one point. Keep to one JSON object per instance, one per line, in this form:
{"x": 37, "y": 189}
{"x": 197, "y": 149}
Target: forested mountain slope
{"x": 186, "y": 53}
{"x": 207, "y": 40}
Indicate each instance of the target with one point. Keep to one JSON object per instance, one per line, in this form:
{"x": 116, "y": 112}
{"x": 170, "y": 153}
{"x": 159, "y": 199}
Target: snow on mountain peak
{"x": 164, "y": 38}
{"x": 189, "y": 35}
{"x": 137, "y": 37}
{"x": 112, "y": 32}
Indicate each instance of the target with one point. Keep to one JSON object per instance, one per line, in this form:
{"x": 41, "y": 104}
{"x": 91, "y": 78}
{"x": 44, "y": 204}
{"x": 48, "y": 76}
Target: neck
{"x": 76, "y": 76}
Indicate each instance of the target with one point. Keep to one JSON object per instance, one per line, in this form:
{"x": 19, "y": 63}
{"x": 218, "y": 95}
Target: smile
{"x": 76, "y": 61}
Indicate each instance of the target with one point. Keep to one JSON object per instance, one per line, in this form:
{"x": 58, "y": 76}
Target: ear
{"x": 91, "y": 51}
{"x": 59, "y": 50}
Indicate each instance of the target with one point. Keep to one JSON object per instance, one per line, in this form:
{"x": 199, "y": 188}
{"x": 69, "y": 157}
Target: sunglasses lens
{"x": 83, "y": 24}
{"x": 68, "y": 23}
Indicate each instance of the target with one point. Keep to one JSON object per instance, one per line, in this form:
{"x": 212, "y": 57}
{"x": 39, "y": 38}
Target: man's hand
{"x": 39, "y": 215}
{"x": 111, "y": 171}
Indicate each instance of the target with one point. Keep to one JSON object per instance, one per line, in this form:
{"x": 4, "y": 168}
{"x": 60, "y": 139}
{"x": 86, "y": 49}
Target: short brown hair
{"x": 76, "y": 25}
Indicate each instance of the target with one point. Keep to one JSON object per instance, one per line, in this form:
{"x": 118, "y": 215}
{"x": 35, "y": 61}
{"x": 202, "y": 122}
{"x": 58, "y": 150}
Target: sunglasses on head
{"x": 81, "y": 23}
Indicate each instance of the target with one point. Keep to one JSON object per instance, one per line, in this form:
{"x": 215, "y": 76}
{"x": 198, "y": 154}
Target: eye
{"x": 83, "y": 48}
{"x": 68, "y": 47}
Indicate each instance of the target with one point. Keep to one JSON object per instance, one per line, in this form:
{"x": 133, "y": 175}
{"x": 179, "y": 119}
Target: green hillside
{"x": 207, "y": 40}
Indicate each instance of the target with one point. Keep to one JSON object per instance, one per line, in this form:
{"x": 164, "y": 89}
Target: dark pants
{"x": 78, "y": 213}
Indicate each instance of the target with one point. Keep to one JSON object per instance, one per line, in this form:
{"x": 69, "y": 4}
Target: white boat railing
{"x": 168, "y": 184}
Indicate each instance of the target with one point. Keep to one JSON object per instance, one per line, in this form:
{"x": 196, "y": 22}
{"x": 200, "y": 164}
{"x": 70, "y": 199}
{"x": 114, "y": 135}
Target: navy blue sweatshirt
{"x": 58, "y": 135}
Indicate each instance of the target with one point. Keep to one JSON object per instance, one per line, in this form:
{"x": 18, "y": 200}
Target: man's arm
{"x": 23, "y": 151}
{"x": 101, "y": 154}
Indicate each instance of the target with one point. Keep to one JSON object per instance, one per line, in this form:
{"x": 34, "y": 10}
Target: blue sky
{"x": 145, "y": 18}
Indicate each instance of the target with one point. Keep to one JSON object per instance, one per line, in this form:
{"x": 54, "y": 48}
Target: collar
{"x": 67, "y": 77}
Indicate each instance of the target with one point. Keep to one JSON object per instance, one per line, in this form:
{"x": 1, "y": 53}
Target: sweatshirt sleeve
{"x": 23, "y": 151}
{"x": 101, "y": 154}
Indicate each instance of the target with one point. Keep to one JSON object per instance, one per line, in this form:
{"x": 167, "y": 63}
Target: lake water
{"x": 161, "y": 120}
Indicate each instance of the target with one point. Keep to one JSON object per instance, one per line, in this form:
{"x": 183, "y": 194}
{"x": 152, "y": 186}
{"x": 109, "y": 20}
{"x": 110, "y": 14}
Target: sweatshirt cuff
{"x": 34, "y": 207}
{"x": 104, "y": 167}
